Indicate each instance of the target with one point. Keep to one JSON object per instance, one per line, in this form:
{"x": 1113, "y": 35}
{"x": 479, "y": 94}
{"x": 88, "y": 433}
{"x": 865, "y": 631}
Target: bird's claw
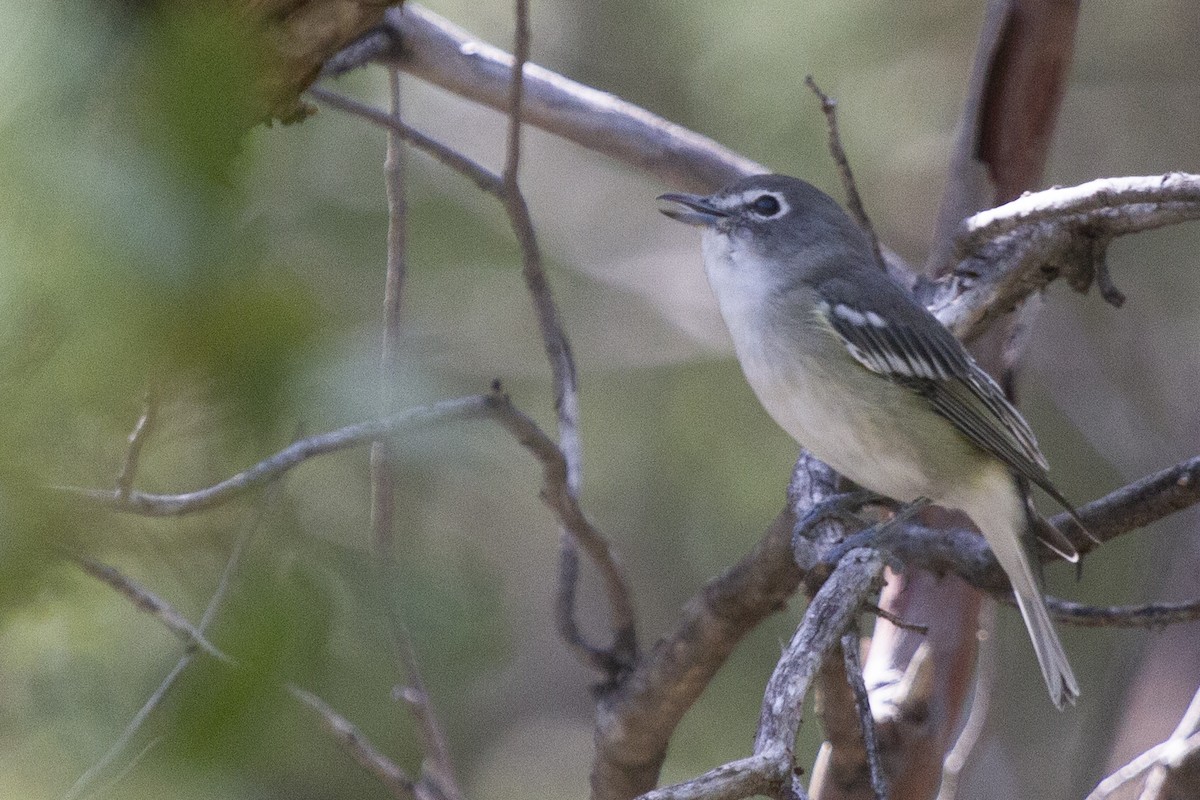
{"x": 877, "y": 534}
{"x": 839, "y": 507}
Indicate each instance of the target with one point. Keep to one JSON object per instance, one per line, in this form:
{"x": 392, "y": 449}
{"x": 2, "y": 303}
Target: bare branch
{"x": 635, "y": 721}
{"x": 1177, "y": 776}
{"x": 1059, "y": 203}
{"x": 372, "y": 45}
{"x": 437, "y": 51}
{"x": 745, "y": 777}
{"x": 862, "y": 703}
{"x": 437, "y": 768}
{"x": 271, "y": 469}
{"x": 557, "y": 495}
{"x": 1163, "y": 755}
{"x": 771, "y": 769}
{"x": 1150, "y": 615}
{"x": 896, "y": 620}
{"x": 357, "y": 745}
{"x": 828, "y": 616}
{"x": 853, "y": 198}
{"x": 80, "y": 787}
{"x": 1137, "y": 504}
{"x": 482, "y": 177}
{"x": 1127, "y": 509}
{"x": 348, "y": 737}
{"x": 621, "y": 654}
{"x": 383, "y": 478}
{"x": 137, "y": 438}
{"x": 1014, "y": 250}
{"x": 968, "y": 737}
{"x": 617, "y": 657}
{"x": 145, "y": 600}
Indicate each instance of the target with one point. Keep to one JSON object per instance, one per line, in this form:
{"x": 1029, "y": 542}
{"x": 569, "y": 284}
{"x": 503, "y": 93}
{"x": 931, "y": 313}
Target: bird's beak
{"x": 697, "y": 210}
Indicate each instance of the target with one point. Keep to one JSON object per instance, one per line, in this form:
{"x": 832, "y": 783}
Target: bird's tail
{"x": 1050, "y": 655}
{"x": 1001, "y": 516}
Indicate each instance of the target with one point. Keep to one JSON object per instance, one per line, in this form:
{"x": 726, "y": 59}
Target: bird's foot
{"x": 876, "y": 536}
{"x": 842, "y": 507}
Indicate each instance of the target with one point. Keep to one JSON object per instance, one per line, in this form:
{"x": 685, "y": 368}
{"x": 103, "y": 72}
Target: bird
{"x": 868, "y": 381}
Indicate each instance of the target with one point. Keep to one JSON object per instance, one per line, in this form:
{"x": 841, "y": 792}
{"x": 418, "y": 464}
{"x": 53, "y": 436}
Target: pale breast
{"x": 879, "y": 434}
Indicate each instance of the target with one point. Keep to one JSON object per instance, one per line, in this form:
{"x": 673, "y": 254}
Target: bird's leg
{"x": 876, "y": 535}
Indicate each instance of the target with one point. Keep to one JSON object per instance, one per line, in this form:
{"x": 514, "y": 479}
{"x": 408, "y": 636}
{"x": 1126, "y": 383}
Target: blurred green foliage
{"x": 148, "y": 242}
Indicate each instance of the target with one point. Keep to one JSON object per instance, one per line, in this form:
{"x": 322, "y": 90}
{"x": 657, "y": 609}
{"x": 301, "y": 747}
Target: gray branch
{"x": 1174, "y": 765}
{"x": 1009, "y": 252}
{"x": 271, "y": 469}
{"x": 771, "y": 768}
{"x": 345, "y": 733}
{"x": 436, "y": 50}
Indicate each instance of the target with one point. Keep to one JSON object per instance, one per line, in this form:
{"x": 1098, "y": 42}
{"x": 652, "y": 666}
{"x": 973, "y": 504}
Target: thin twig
{"x": 617, "y": 657}
{"x": 80, "y": 786}
{"x": 272, "y": 468}
{"x": 1153, "y": 757}
{"x": 621, "y": 654}
{"x": 557, "y": 496}
{"x": 555, "y": 493}
{"x": 985, "y": 682}
{"x": 349, "y": 737}
{"x": 145, "y": 600}
{"x": 1177, "y": 775}
{"x": 771, "y": 769}
{"x": 1150, "y": 615}
{"x": 853, "y": 198}
{"x": 80, "y": 789}
{"x": 357, "y": 745}
{"x": 862, "y": 703}
{"x": 383, "y": 478}
{"x": 137, "y": 438}
{"x": 896, "y": 620}
{"x": 438, "y": 769}
{"x": 128, "y": 768}
{"x": 481, "y": 176}
{"x": 438, "y": 51}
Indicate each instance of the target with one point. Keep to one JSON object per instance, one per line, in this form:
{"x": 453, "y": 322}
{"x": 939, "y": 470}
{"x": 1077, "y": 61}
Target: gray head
{"x": 773, "y": 219}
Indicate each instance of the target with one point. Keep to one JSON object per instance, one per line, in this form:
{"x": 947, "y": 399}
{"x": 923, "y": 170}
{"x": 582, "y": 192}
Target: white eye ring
{"x": 765, "y": 205}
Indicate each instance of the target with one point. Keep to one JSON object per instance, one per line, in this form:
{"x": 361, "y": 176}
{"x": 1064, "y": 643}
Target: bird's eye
{"x": 765, "y": 205}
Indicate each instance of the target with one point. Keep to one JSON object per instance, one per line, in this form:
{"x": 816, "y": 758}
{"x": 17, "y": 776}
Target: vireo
{"x": 867, "y": 379}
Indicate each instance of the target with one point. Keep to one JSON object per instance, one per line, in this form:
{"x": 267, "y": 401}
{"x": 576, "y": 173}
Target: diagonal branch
{"x": 635, "y": 721}
{"x": 148, "y": 602}
{"x": 274, "y": 467}
{"x": 496, "y": 406}
{"x": 622, "y": 652}
{"x": 383, "y": 468}
{"x": 80, "y": 787}
{"x": 137, "y": 439}
{"x": 771, "y": 768}
{"x": 352, "y": 741}
{"x": 1009, "y": 252}
{"x": 1178, "y": 758}
{"x": 443, "y": 54}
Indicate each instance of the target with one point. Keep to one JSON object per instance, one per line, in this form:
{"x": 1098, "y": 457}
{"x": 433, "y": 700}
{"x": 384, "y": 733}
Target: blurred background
{"x": 146, "y": 243}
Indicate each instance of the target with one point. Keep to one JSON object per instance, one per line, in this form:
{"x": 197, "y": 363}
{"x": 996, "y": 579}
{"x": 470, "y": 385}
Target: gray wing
{"x": 910, "y": 347}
